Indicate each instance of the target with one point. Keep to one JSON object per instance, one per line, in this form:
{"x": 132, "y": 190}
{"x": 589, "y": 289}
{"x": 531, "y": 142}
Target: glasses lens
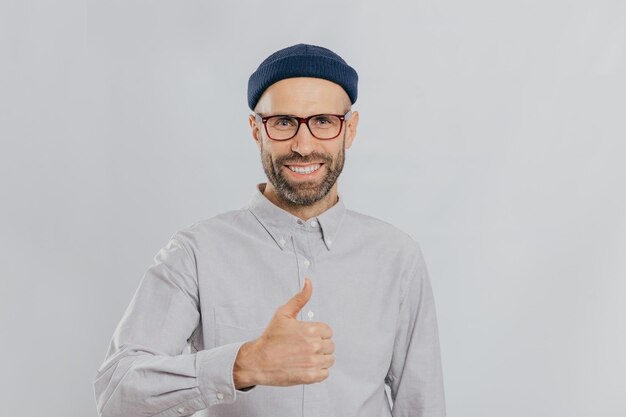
{"x": 325, "y": 126}
{"x": 281, "y": 127}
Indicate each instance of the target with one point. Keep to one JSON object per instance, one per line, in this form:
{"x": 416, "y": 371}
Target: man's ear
{"x": 255, "y": 130}
{"x": 351, "y": 129}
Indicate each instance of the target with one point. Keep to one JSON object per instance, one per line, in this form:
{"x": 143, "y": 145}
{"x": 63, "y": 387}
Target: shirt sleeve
{"x": 415, "y": 375}
{"x": 145, "y": 372}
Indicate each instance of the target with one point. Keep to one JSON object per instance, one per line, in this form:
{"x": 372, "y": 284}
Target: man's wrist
{"x": 243, "y": 373}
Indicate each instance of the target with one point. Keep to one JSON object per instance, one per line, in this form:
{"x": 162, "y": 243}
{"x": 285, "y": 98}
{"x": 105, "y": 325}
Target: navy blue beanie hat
{"x": 302, "y": 60}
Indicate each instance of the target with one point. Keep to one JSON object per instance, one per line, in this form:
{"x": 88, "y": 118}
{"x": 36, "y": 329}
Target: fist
{"x": 290, "y": 351}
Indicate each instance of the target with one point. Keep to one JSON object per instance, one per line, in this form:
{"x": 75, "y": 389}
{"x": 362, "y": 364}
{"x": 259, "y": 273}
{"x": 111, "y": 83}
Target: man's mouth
{"x": 304, "y": 168}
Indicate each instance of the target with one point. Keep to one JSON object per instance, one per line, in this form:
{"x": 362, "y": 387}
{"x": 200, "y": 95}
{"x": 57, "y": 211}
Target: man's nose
{"x": 304, "y": 142}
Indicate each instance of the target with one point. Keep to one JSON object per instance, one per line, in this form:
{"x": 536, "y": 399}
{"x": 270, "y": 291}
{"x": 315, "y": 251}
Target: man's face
{"x": 303, "y": 169}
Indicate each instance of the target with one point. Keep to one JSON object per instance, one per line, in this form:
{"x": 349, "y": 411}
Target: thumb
{"x": 295, "y": 303}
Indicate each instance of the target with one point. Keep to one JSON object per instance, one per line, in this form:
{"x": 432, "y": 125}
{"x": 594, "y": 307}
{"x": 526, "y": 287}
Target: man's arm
{"x": 144, "y": 372}
{"x": 415, "y": 375}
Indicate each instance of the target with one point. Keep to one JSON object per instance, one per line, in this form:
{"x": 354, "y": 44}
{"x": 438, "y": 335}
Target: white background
{"x": 491, "y": 131}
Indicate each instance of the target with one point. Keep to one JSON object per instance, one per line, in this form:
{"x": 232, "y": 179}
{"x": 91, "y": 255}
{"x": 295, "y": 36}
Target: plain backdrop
{"x": 491, "y": 131}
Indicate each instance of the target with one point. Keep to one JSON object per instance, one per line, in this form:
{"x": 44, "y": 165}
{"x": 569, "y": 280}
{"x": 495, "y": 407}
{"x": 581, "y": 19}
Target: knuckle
{"x": 310, "y": 376}
{"x": 316, "y": 347}
{"x": 310, "y": 361}
{"x": 331, "y": 360}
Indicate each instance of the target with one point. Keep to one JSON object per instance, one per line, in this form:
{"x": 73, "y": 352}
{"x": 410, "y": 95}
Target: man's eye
{"x": 323, "y": 121}
{"x": 283, "y": 122}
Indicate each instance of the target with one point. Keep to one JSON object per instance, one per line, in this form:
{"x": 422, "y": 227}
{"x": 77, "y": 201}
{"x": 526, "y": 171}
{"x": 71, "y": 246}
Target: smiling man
{"x": 293, "y": 305}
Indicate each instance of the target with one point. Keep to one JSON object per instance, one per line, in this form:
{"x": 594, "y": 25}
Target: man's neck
{"x": 300, "y": 211}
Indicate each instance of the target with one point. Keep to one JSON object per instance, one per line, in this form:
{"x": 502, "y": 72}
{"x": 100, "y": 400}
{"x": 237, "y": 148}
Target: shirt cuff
{"x": 214, "y": 368}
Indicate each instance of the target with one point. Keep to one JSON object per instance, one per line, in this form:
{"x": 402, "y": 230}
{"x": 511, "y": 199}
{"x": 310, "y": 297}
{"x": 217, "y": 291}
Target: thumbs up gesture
{"x": 289, "y": 352}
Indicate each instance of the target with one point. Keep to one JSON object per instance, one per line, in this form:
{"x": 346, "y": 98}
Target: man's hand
{"x": 289, "y": 352}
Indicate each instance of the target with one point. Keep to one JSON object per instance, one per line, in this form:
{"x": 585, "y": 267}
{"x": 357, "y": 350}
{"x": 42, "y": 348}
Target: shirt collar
{"x": 280, "y": 224}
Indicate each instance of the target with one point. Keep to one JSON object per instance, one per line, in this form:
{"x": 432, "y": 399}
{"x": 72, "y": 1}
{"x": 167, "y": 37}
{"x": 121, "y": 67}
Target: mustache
{"x": 295, "y": 158}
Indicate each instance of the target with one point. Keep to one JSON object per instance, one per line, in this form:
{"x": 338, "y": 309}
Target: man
{"x": 293, "y": 305}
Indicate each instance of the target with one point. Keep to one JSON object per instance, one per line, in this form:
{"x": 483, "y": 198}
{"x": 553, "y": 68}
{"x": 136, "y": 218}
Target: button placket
{"x": 306, "y": 269}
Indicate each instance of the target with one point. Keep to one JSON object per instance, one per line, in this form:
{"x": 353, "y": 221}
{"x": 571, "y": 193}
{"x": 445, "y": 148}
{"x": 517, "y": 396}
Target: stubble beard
{"x": 304, "y": 193}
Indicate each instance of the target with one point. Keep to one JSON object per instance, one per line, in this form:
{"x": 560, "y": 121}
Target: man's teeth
{"x": 305, "y": 170}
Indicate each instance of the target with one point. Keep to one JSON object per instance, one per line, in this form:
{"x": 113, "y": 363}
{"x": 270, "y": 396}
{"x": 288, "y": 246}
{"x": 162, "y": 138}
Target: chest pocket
{"x": 239, "y": 323}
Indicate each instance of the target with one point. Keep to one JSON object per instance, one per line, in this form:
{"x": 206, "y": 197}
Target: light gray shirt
{"x": 217, "y": 284}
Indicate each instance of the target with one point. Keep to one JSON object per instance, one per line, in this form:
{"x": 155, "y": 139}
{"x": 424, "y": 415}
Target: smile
{"x": 307, "y": 169}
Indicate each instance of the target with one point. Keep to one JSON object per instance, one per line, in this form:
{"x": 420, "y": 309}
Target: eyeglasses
{"x": 321, "y": 126}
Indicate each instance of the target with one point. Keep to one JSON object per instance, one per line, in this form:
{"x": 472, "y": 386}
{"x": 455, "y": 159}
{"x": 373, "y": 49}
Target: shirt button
{"x": 220, "y": 396}
{"x": 330, "y": 242}
{"x": 281, "y": 241}
{"x": 307, "y": 263}
{"x": 310, "y": 314}
{"x": 300, "y": 222}
{"x": 313, "y": 223}
{"x": 180, "y": 410}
